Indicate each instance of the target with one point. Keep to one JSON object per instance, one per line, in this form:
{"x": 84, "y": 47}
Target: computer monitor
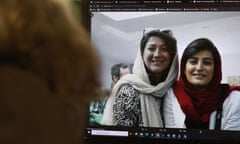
{"x": 116, "y": 27}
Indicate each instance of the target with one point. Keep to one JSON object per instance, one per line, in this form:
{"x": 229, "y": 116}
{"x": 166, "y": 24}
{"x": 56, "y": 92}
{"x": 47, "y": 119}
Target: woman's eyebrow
{"x": 208, "y": 58}
{"x": 195, "y": 58}
{"x": 205, "y": 58}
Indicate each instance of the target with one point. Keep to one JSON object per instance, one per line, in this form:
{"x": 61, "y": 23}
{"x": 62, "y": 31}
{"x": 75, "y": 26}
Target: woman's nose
{"x": 199, "y": 65}
{"x": 157, "y": 52}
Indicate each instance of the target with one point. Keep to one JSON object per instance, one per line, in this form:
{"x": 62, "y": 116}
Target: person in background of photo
{"x": 136, "y": 99}
{"x": 117, "y": 71}
{"x": 48, "y": 73}
{"x": 198, "y": 99}
{"x": 97, "y": 106}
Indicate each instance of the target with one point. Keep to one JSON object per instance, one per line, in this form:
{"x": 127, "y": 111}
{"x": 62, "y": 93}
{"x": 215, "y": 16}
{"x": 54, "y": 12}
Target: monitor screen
{"x": 116, "y": 28}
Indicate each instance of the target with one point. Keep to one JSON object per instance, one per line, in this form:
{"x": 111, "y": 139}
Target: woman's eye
{"x": 164, "y": 49}
{"x": 151, "y": 48}
{"x": 193, "y": 62}
{"x": 207, "y": 62}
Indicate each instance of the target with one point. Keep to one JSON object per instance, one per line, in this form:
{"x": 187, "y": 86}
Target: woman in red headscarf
{"x": 198, "y": 99}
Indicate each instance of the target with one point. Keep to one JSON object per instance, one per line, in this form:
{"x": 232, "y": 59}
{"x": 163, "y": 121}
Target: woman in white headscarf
{"x": 136, "y": 99}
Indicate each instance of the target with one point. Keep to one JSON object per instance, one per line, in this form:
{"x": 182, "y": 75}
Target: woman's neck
{"x": 156, "y": 79}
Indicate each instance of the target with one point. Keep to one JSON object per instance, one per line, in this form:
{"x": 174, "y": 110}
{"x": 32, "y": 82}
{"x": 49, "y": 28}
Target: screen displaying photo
{"x": 117, "y": 35}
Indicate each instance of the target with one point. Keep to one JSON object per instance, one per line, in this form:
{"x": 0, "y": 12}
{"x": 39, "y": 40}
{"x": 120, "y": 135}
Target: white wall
{"x": 118, "y": 40}
{"x": 231, "y": 66}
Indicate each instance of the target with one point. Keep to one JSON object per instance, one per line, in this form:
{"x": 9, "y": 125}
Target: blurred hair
{"x": 115, "y": 69}
{"x": 44, "y": 37}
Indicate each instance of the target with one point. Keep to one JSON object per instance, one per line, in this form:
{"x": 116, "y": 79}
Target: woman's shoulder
{"x": 127, "y": 89}
{"x": 127, "y": 95}
{"x": 126, "y": 86}
{"x": 233, "y": 98}
{"x": 232, "y": 90}
{"x": 235, "y": 94}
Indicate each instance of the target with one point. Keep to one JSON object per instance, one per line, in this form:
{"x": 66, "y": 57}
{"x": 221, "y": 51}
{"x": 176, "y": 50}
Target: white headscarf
{"x": 139, "y": 80}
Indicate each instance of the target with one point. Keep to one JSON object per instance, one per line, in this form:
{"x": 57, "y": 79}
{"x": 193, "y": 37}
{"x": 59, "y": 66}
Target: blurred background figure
{"x": 97, "y": 106}
{"x": 45, "y": 82}
{"x": 117, "y": 71}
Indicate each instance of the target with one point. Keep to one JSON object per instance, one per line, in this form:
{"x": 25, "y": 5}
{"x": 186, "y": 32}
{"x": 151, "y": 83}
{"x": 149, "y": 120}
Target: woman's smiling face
{"x": 156, "y": 56}
{"x": 199, "y": 69}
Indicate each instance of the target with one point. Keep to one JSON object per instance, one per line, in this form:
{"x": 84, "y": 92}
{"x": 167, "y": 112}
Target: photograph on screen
{"x": 117, "y": 36}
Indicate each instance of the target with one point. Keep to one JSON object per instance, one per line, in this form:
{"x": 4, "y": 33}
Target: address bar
{"x": 109, "y": 133}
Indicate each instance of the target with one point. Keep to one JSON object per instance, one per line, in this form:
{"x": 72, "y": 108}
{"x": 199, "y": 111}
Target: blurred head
{"x": 117, "y": 71}
{"x": 201, "y": 64}
{"x": 45, "y": 82}
{"x": 158, "y": 49}
{"x": 124, "y": 69}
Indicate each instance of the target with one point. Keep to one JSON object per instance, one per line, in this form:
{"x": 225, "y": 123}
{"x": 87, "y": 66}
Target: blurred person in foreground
{"x": 48, "y": 73}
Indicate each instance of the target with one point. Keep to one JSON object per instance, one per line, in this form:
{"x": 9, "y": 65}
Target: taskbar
{"x": 155, "y": 135}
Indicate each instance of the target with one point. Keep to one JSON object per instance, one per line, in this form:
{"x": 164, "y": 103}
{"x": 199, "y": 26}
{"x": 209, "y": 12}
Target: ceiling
{"x": 117, "y": 35}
